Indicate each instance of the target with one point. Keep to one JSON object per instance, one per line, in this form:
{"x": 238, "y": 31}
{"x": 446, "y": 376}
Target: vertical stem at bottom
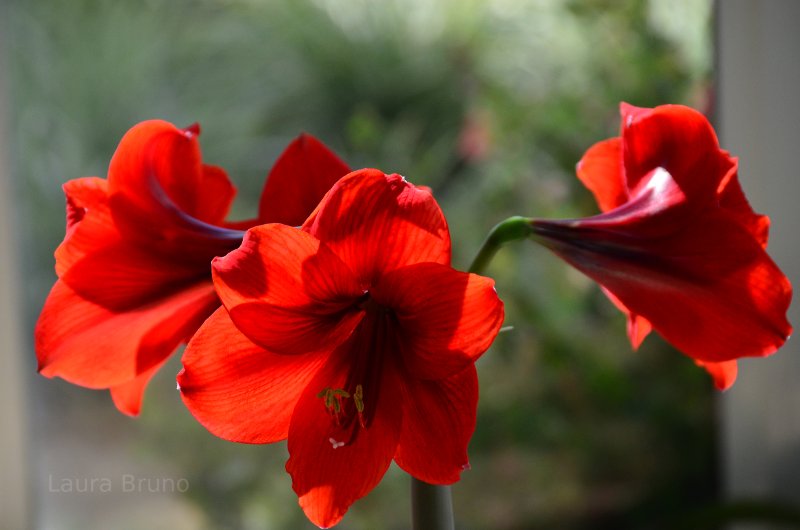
{"x": 431, "y": 506}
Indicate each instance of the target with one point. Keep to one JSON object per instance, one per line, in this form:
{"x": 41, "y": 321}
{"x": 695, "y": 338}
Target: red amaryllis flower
{"x": 134, "y": 275}
{"x": 353, "y": 337}
{"x": 678, "y": 248}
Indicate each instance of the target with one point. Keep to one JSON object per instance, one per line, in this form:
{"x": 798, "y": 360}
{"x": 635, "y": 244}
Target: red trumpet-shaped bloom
{"x": 353, "y": 338}
{"x": 134, "y": 275}
{"x": 678, "y": 247}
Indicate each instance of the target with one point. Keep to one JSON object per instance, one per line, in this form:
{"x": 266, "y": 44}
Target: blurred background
{"x": 489, "y": 102}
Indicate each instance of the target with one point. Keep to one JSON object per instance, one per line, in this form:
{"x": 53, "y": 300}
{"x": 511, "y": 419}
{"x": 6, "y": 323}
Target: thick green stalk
{"x": 511, "y": 229}
{"x": 431, "y": 506}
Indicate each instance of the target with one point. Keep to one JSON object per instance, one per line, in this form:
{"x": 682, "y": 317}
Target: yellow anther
{"x": 358, "y": 397}
{"x": 332, "y": 397}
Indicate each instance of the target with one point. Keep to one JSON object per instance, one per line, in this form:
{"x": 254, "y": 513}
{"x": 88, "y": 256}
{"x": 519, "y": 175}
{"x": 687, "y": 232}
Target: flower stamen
{"x": 332, "y": 398}
{"x": 358, "y": 399}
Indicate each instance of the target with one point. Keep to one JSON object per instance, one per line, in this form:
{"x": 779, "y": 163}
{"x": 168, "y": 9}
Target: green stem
{"x": 431, "y": 506}
{"x": 511, "y": 229}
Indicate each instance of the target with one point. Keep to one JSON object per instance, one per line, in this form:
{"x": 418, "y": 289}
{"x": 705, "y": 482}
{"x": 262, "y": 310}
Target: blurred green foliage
{"x": 491, "y": 103}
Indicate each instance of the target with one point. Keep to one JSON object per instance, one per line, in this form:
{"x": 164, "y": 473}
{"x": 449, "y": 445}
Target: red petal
{"x": 724, "y": 373}
{"x": 733, "y": 200}
{"x": 448, "y": 318}
{"x": 301, "y": 176}
{"x": 287, "y": 292}
{"x": 708, "y": 288}
{"x": 238, "y": 390}
{"x": 377, "y": 223}
{"x": 678, "y": 139}
{"x": 638, "y": 326}
{"x": 329, "y": 477}
{"x": 89, "y": 222}
{"x": 156, "y": 158}
{"x": 638, "y": 329}
{"x": 215, "y": 195}
{"x": 128, "y": 396}
{"x": 84, "y": 195}
{"x": 122, "y": 276}
{"x": 438, "y": 422}
{"x": 161, "y": 194}
{"x": 601, "y": 172}
{"x": 92, "y": 346}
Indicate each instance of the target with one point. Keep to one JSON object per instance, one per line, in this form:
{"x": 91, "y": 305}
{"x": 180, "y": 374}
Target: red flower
{"x": 134, "y": 277}
{"x": 678, "y": 249}
{"x": 353, "y": 337}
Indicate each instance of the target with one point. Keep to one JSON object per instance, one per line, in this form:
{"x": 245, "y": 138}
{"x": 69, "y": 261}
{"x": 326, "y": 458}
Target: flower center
{"x": 335, "y": 400}
{"x": 361, "y": 357}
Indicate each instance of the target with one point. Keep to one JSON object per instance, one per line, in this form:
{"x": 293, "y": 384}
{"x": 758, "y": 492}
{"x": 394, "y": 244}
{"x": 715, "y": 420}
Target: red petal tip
{"x": 130, "y": 412}
{"x": 631, "y": 113}
{"x": 192, "y": 130}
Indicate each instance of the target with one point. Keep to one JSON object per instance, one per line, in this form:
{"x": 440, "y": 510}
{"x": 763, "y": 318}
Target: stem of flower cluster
{"x": 511, "y": 229}
{"x": 431, "y": 506}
